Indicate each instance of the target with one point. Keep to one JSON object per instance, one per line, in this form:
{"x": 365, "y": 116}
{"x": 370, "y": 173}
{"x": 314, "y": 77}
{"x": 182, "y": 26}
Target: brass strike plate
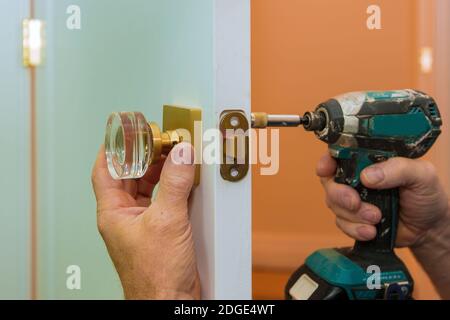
{"x": 190, "y": 119}
{"x": 33, "y": 42}
{"x": 235, "y": 145}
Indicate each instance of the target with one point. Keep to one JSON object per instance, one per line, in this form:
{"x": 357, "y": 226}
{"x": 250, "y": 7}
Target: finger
{"x": 326, "y": 167}
{"x": 340, "y": 195}
{"x": 357, "y": 231}
{"x": 367, "y": 214}
{"x": 177, "y": 177}
{"x": 151, "y": 178}
{"x": 398, "y": 172}
{"x": 101, "y": 179}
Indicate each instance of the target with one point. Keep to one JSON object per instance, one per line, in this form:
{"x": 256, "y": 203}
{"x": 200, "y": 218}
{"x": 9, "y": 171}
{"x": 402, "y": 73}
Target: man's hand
{"x": 149, "y": 243}
{"x": 423, "y": 202}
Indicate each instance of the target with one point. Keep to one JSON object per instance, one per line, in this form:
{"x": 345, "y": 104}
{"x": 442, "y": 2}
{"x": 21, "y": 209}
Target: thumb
{"x": 397, "y": 172}
{"x": 177, "y": 176}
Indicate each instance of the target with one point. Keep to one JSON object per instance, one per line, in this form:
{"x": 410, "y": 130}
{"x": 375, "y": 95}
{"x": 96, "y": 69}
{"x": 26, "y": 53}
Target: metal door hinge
{"x": 33, "y": 42}
{"x": 234, "y": 128}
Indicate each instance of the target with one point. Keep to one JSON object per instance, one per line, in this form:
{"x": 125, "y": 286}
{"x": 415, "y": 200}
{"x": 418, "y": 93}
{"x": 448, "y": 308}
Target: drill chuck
{"x": 314, "y": 121}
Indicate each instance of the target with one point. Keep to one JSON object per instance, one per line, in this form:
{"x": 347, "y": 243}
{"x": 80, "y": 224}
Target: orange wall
{"x": 303, "y": 52}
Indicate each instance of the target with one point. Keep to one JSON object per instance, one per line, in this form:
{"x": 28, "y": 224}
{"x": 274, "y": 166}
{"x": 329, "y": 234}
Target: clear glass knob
{"x": 128, "y": 145}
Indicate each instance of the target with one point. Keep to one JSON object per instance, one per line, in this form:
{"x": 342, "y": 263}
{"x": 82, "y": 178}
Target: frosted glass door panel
{"x": 128, "y": 55}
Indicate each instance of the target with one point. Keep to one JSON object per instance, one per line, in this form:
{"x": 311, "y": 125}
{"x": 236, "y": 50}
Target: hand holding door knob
{"x": 149, "y": 242}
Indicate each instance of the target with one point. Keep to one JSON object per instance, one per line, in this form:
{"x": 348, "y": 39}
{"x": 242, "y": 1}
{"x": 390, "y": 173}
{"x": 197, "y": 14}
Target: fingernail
{"x": 374, "y": 175}
{"x": 349, "y": 202}
{"x": 365, "y": 233}
{"x": 370, "y": 216}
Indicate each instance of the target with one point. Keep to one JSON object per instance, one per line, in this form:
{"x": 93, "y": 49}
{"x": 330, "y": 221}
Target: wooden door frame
{"x": 222, "y": 233}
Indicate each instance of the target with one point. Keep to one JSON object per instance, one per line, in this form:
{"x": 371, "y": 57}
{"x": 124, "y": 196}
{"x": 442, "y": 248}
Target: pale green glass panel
{"x": 14, "y": 155}
{"x": 129, "y": 55}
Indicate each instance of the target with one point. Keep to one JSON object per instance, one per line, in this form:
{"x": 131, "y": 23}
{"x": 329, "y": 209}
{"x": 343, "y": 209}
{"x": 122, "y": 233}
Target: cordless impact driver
{"x": 361, "y": 129}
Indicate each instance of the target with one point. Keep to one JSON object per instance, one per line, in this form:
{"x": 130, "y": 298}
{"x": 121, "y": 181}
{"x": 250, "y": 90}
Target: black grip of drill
{"x": 386, "y": 200}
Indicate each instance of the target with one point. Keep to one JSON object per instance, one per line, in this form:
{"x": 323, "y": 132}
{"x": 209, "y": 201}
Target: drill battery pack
{"x": 346, "y": 274}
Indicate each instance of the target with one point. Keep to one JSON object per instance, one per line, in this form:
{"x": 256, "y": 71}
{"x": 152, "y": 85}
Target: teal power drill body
{"x": 361, "y": 129}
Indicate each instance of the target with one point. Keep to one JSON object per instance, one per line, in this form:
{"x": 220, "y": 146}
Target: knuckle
{"x": 102, "y": 220}
{"x": 93, "y": 177}
{"x": 343, "y": 198}
{"x": 332, "y": 199}
{"x": 101, "y": 225}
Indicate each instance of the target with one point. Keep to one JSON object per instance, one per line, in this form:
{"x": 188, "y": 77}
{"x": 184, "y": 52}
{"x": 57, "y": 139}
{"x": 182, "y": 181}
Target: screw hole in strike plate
{"x": 234, "y": 121}
{"x": 234, "y": 172}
